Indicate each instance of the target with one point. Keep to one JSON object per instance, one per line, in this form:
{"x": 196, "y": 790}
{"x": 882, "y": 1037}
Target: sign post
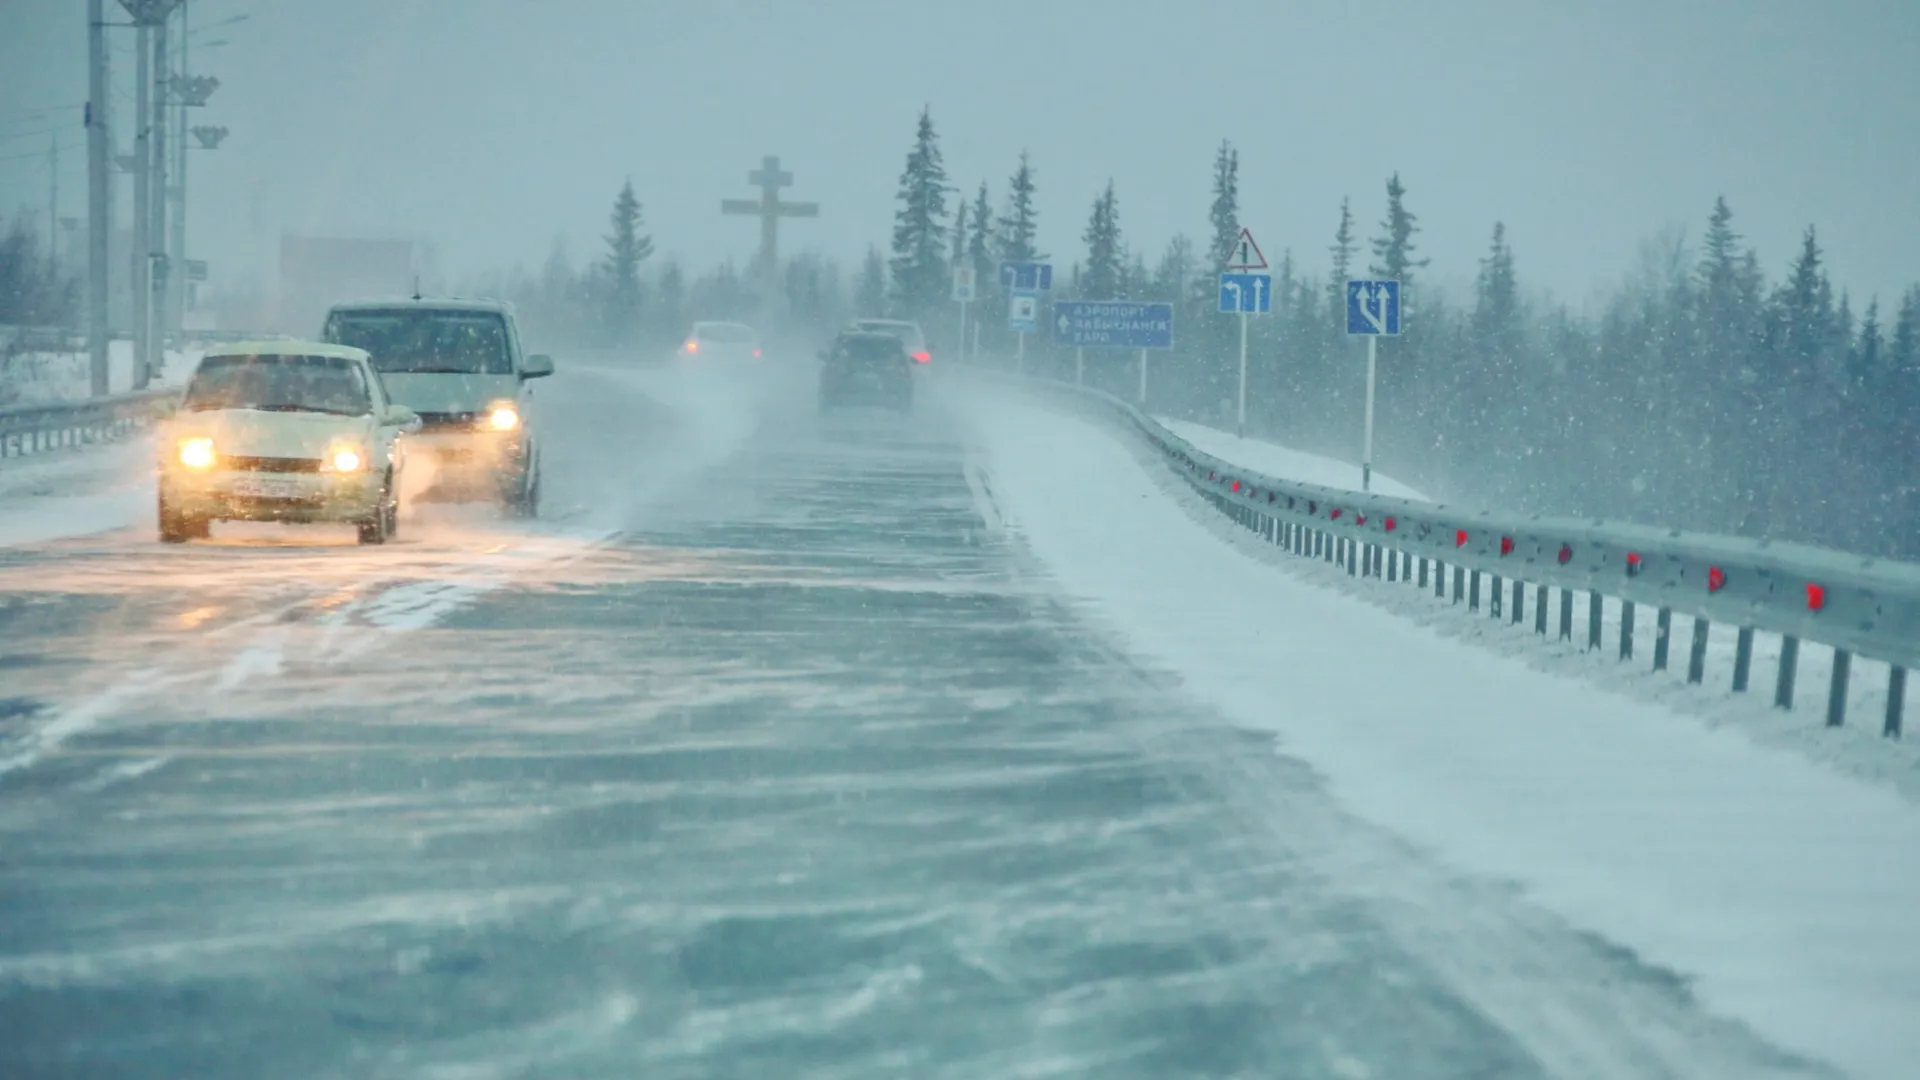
{"x": 963, "y": 292}
{"x": 1252, "y": 294}
{"x": 1373, "y": 310}
{"x": 1024, "y": 281}
{"x": 1123, "y": 324}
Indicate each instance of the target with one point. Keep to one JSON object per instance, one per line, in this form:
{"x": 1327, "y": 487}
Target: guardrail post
{"x": 1789, "y": 662}
{"x": 1519, "y": 602}
{"x": 1626, "y": 629}
{"x": 1742, "y": 659}
{"x": 1593, "y": 619}
{"x": 1393, "y": 566}
{"x": 1566, "y": 614}
{"x": 1473, "y": 591}
{"x": 1837, "y": 689}
{"x": 1459, "y": 584}
{"x": 1697, "y": 657}
{"x": 1328, "y": 545}
{"x": 1493, "y": 596}
{"x": 1353, "y": 557}
{"x": 1423, "y": 573}
{"x": 1662, "y": 633}
{"x": 1896, "y": 701}
{"x": 1540, "y": 610}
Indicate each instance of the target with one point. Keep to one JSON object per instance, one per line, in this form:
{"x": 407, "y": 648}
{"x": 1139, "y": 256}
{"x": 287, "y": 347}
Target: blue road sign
{"x": 1373, "y": 307}
{"x": 1023, "y": 312}
{"x": 1250, "y": 294}
{"x": 1027, "y": 276}
{"x": 1119, "y": 324}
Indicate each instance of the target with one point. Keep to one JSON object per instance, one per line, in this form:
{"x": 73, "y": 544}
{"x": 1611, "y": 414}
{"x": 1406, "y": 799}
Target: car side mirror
{"x": 401, "y": 417}
{"x": 537, "y": 366}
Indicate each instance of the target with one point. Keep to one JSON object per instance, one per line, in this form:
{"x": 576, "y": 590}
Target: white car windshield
{"x": 272, "y": 383}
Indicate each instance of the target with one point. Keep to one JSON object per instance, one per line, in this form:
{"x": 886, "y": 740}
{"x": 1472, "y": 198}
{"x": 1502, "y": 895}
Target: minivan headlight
{"x": 501, "y": 416}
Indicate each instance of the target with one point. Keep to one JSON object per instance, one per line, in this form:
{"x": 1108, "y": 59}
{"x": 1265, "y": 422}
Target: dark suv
{"x": 866, "y": 368}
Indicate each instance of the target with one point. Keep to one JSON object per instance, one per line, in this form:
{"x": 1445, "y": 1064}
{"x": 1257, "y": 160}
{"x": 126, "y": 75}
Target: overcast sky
{"x": 492, "y": 126}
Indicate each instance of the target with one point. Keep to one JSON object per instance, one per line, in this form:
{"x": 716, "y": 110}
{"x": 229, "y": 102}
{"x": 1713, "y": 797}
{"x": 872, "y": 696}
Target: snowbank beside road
{"x": 1784, "y": 890}
{"x": 1283, "y": 463}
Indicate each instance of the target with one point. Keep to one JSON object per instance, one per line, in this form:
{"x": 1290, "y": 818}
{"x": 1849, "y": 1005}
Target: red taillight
{"x": 693, "y": 346}
{"x": 756, "y": 354}
{"x": 923, "y": 357}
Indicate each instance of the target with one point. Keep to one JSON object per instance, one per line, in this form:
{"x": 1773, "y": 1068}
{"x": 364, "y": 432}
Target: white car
{"x": 288, "y": 431}
{"x": 721, "y": 341}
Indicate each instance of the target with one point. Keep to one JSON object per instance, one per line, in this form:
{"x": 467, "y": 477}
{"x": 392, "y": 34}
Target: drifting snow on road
{"x": 772, "y": 754}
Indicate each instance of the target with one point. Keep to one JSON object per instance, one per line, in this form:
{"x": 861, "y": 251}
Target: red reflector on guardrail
{"x": 1633, "y": 563}
{"x": 1389, "y": 524}
{"x": 1335, "y": 515}
{"x": 1506, "y": 545}
{"x": 1816, "y": 596}
{"x": 1566, "y": 554}
{"x": 1359, "y": 519}
{"x": 1236, "y": 485}
{"x": 1716, "y": 579}
{"x": 1460, "y": 538}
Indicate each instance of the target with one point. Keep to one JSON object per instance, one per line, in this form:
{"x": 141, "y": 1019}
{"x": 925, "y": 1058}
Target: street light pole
{"x": 138, "y": 245}
{"x": 177, "y": 242}
{"x": 99, "y": 197}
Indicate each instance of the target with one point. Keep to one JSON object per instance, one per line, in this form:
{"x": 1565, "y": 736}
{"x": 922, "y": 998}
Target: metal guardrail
{"x": 1854, "y": 604}
{"x": 31, "y": 429}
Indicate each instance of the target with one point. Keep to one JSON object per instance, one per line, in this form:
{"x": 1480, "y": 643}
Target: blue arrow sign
{"x": 1373, "y": 308}
{"x": 1119, "y": 324}
{"x": 1250, "y": 294}
{"x": 1027, "y": 276}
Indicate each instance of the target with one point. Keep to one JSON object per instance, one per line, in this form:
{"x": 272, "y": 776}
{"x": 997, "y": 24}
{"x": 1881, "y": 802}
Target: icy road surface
{"x": 769, "y": 754}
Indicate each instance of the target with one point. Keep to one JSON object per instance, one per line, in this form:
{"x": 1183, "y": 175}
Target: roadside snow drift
{"x": 1786, "y": 892}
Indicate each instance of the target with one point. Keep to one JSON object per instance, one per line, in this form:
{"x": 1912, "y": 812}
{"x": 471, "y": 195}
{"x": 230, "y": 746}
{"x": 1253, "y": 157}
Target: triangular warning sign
{"x": 1246, "y": 254}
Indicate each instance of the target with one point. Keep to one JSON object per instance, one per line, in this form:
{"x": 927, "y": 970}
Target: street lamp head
{"x": 150, "y": 12}
{"x": 209, "y": 136}
{"x": 193, "y": 90}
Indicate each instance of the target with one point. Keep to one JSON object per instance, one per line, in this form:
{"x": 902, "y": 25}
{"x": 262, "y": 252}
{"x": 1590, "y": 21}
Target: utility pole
{"x": 177, "y": 240}
{"x": 155, "y": 358}
{"x": 53, "y": 208}
{"x": 99, "y": 195}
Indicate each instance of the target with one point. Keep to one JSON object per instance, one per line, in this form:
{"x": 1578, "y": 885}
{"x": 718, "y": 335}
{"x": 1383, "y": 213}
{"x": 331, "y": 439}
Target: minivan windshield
{"x": 427, "y": 341}
{"x": 724, "y": 333}
{"x": 272, "y": 383}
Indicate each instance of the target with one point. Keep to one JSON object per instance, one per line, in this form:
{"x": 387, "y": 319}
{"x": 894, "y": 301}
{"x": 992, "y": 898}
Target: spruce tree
{"x": 1342, "y": 251}
{"x": 870, "y": 290}
{"x": 1393, "y": 251}
{"x": 1224, "y": 214}
{"x": 919, "y": 261}
{"x": 626, "y": 250}
{"x": 958, "y": 250}
{"x": 1019, "y": 226}
{"x": 1102, "y": 278}
{"x": 1496, "y": 309}
{"x": 984, "y": 243}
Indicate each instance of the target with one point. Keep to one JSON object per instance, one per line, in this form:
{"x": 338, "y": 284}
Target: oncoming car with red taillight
{"x": 286, "y": 431}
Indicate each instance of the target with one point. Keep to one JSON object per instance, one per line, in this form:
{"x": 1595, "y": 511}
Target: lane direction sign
{"x": 1120, "y": 324}
{"x": 1373, "y": 308}
{"x": 1027, "y": 276}
{"x": 1246, "y": 254}
{"x": 1246, "y": 294}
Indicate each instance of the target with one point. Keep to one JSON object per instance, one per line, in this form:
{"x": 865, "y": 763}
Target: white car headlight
{"x": 344, "y": 459}
{"x": 197, "y": 453}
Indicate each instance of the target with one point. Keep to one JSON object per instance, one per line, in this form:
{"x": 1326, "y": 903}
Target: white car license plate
{"x": 268, "y": 487}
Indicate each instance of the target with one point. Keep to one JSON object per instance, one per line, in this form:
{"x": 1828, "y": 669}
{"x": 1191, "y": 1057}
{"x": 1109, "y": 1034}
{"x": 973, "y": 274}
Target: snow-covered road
{"x": 789, "y": 746}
